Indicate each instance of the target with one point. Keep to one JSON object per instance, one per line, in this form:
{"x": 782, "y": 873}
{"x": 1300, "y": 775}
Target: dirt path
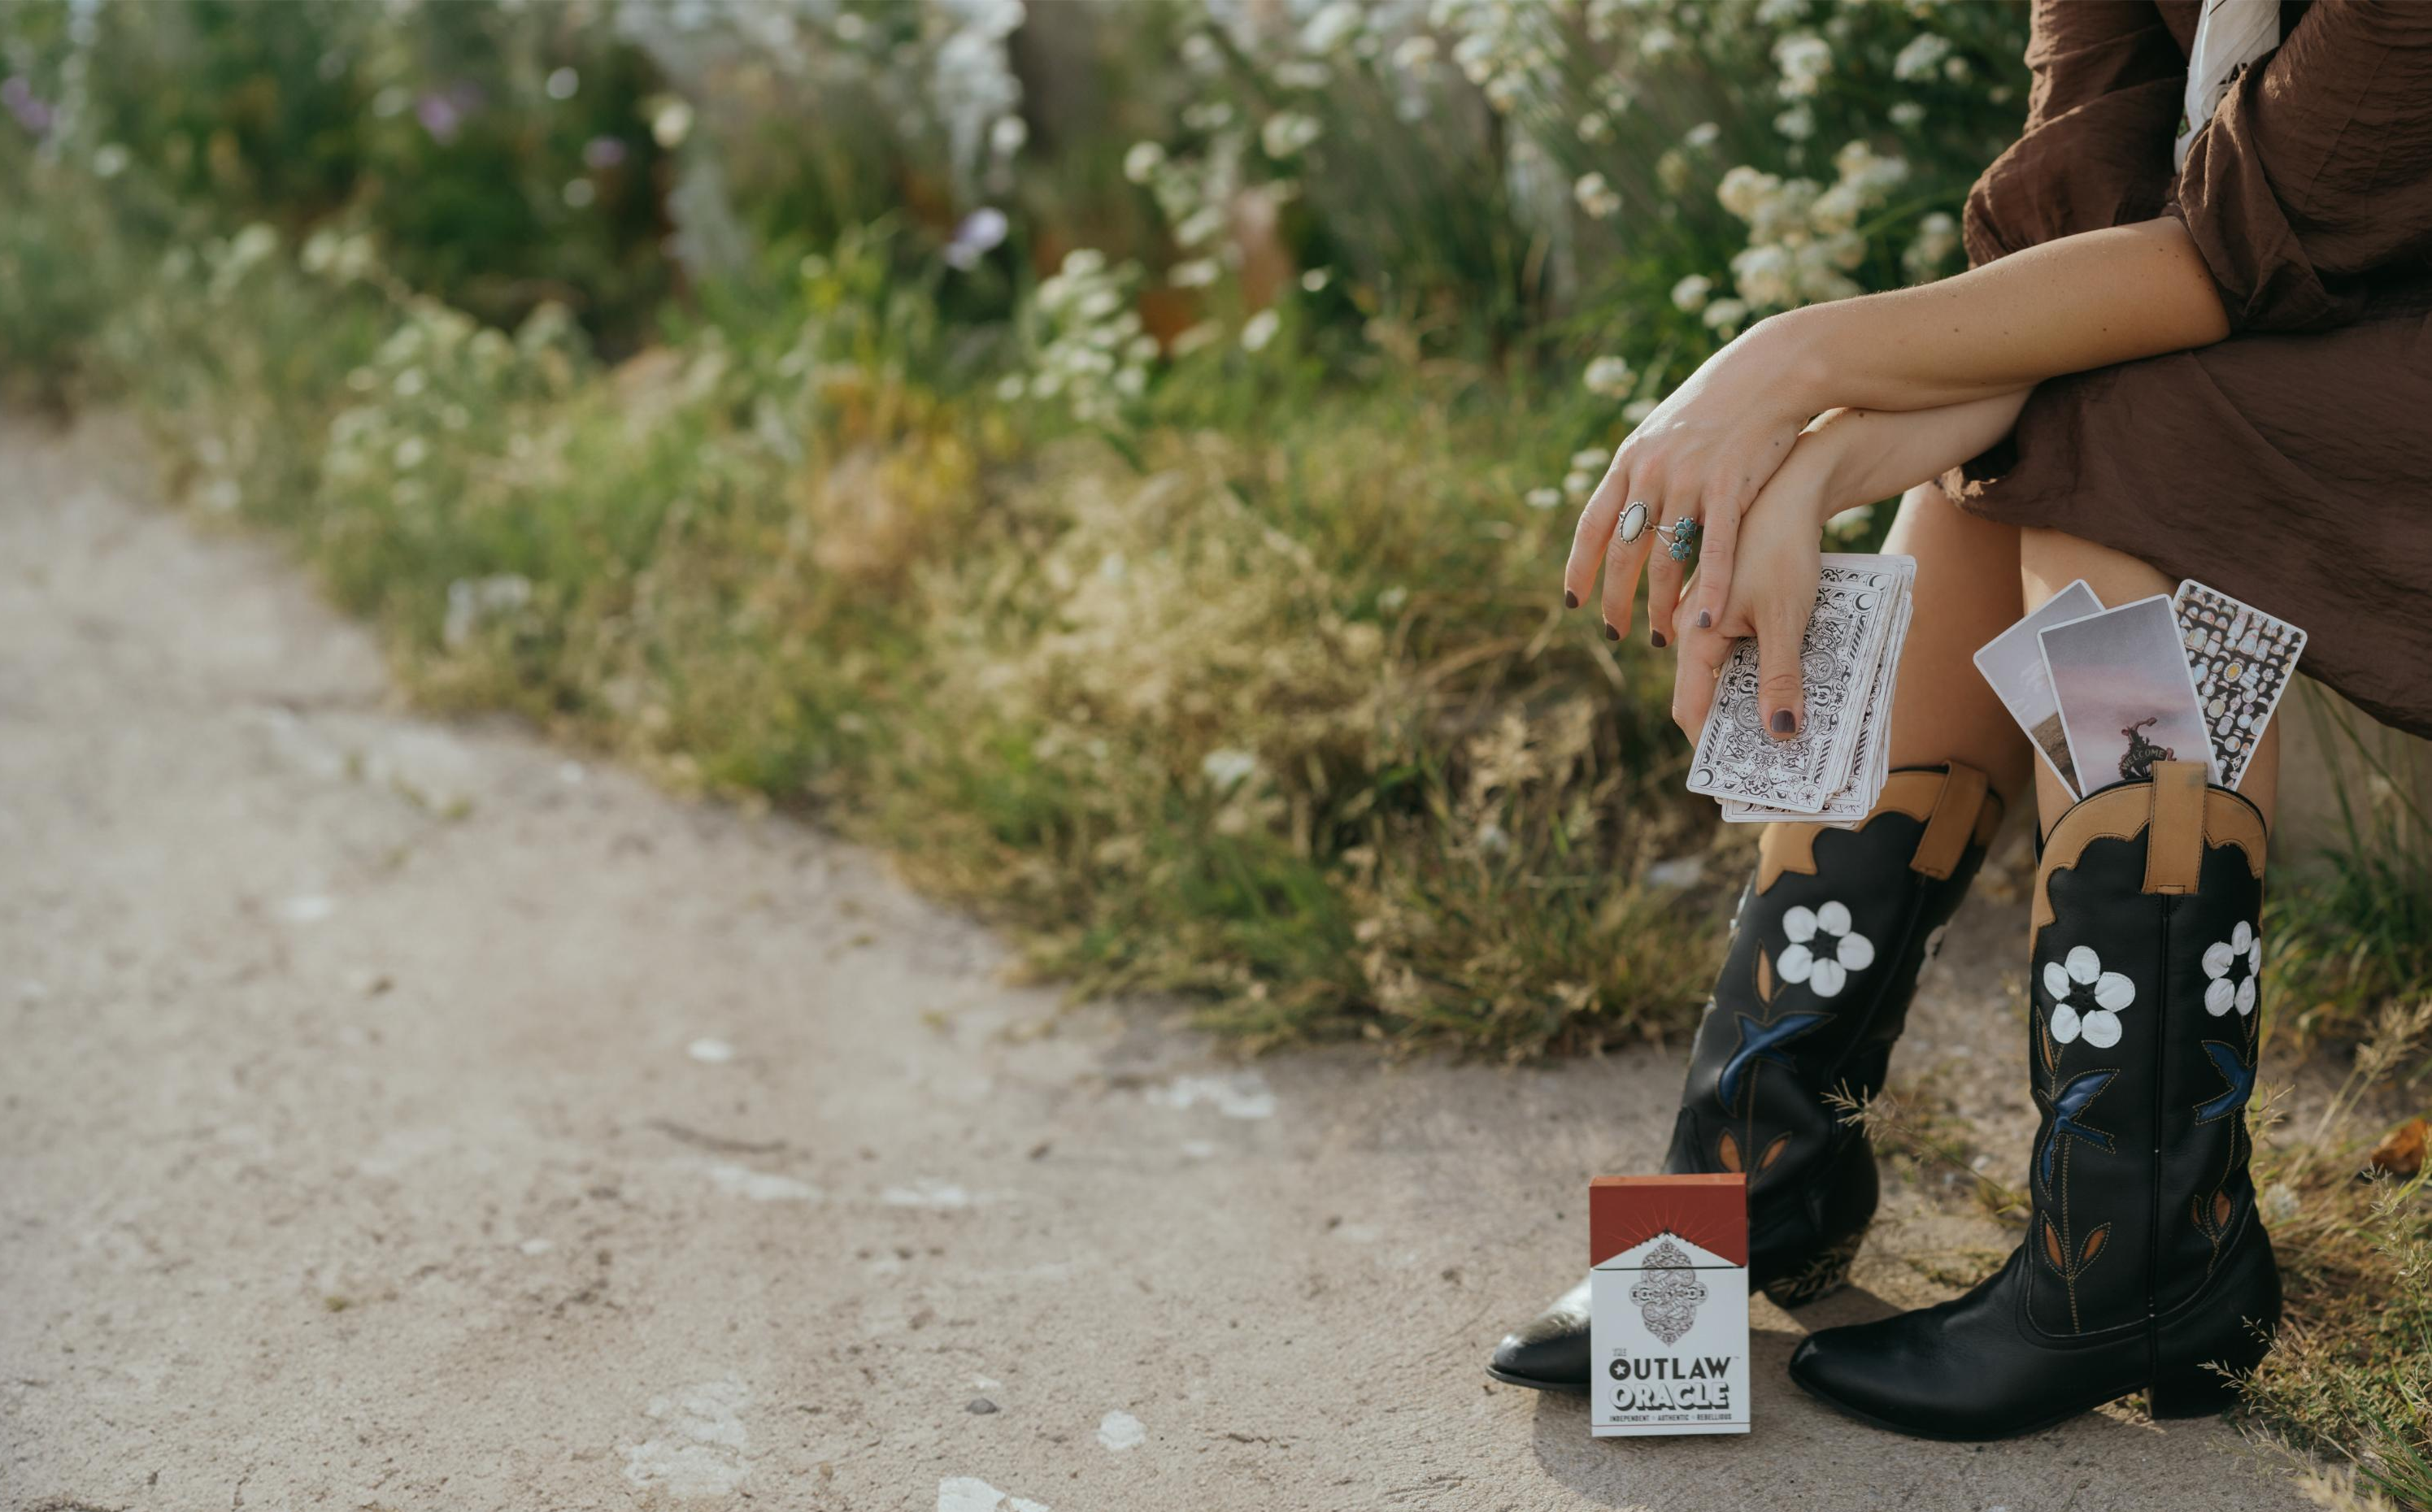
{"x": 401, "y": 1114}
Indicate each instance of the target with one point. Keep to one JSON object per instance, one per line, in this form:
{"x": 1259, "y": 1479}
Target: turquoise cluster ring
{"x": 1682, "y": 534}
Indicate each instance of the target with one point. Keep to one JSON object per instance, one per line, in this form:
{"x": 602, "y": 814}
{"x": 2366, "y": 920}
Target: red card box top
{"x": 1710, "y": 1211}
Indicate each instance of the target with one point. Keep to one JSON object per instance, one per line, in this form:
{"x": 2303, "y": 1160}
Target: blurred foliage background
{"x": 1117, "y": 457}
{"x": 1114, "y": 454}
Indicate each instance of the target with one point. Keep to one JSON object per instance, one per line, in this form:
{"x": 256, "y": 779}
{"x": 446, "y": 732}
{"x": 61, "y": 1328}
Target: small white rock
{"x": 1243, "y": 1095}
{"x": 926, "y": 1192}
{"x": 1119, "y": 1431}
{"x": 307, "y": 908}
{"x": 968, "y": 1493}
{"x": 1684, "y": 871}
{"x": 759, "y": 1186}
{"x": 710, "y": 1051}
{"x": 537, "y": 1246}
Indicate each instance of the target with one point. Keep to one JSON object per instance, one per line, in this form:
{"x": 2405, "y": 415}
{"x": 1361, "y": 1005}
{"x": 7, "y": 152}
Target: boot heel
{"x": 2191, "y": 1391}
{"x": 1824, "y": 1275}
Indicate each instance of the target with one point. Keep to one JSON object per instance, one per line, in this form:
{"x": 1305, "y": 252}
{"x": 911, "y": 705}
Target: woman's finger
{"x": 1693, "y": 678}
{"x": 1663, "y": 573}
{"x": 1589, "y": 536}
{"x": 1718, "y": 541}
{"x": 1633, "y": 536}
{"x": 1781, "y": 688}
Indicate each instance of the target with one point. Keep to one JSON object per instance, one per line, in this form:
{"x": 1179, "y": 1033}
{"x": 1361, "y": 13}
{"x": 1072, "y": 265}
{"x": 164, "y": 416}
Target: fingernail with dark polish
{"x": 1610, "y": 633}
{"x": 1570, "y": 600}
{"x": 1784, "y": 722}
{"x": 1705, "y": 619}
{"x": 1657, "y": 636}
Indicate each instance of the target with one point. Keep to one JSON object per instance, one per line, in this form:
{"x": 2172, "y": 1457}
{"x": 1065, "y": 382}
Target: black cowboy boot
{"x": 1826, "y": 947}
{"x": 2145, "y": 1262}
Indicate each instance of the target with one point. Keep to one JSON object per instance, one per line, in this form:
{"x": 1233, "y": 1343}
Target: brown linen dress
{"x": 2290, "y": 465}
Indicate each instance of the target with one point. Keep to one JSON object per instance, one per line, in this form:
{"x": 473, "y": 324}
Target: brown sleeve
{"x": 2316, "y": 171}
{"x": 2095, "y": 149}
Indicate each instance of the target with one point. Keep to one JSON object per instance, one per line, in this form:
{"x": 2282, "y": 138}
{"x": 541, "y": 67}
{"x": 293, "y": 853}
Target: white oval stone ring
{"x": 1633, "y": 521}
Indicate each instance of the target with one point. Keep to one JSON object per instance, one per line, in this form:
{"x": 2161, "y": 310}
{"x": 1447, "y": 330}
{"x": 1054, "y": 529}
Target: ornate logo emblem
{"x": 1667, "y": 1293}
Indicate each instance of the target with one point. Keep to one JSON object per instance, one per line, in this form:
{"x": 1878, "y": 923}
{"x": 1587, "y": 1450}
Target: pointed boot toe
{"x": 1910, "y": 1373}
{"x": 1549, "y": 1353}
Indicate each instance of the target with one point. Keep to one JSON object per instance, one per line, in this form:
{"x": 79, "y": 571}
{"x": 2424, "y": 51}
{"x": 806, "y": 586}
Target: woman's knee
{"x": 2050, "y": 560}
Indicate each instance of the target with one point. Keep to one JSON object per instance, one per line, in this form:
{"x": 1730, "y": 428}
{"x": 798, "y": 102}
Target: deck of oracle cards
{"x": 1834, "y": 769}
{"x": 1667, "y": 1305}
{"x": 2105, "y": 692}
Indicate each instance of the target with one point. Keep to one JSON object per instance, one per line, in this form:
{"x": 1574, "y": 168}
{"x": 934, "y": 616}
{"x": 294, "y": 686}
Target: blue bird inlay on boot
{"x": 2238, "y": 1076}
{"x": 2071, "y": 1102}
{"x": 1760, "y": 1040}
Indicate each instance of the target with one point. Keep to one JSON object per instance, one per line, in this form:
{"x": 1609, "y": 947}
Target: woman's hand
{"x": 1701, "y": 455}
{"x": 1771, "y": 594}
{"x": 1844, "y": 458}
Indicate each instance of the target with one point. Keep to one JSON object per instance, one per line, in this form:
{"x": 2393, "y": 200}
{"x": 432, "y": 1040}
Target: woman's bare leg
{"x": 1966, "y": 593}
{"x": 2049, "y": 561}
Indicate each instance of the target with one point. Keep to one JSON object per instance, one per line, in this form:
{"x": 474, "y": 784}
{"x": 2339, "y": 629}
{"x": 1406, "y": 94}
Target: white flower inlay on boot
{"x": 2086, "y": 999}
{"x": 1823, "y": 949}
{"x": 2227, "y": 990}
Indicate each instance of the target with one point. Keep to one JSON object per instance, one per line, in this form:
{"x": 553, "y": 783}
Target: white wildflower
{"x": 1610, "y": 376}
{"x": 1918, "y": 59}
{"x": 1225, "y": 768}
{"x": 1260, "y": 330}
{"x": 1143, "y": 162}
{"x": 1804, "y": 58}
{"x": 1690, "y": 292}
{"x": 1287, "y": 132}
{"x": 1542, "y": 499}
{"x": 1330, "y": 27}
{"x": 670, "y": 123}
{"x": 1596, "y": 196}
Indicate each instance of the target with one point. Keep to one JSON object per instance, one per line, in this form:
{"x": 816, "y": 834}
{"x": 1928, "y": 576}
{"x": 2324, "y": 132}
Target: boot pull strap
{"x": 2174, "y": 836}
{"x": 1952, "y": 824}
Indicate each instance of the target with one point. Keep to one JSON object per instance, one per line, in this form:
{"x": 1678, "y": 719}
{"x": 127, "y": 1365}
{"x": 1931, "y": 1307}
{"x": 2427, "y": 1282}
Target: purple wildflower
{"x": 982, "y": 232}
{"x": 18, "y": 98}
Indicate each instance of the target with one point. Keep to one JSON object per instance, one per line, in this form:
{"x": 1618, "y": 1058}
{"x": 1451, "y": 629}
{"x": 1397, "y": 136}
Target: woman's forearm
{"x": 2078, "y": 302}
{"x": 1865, "y": 455}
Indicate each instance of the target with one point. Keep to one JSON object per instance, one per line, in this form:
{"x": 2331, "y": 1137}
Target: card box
{"x": 1667, "y": 1305}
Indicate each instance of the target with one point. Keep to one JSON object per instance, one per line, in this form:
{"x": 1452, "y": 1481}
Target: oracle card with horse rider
{"x": 2125, "y": 694}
